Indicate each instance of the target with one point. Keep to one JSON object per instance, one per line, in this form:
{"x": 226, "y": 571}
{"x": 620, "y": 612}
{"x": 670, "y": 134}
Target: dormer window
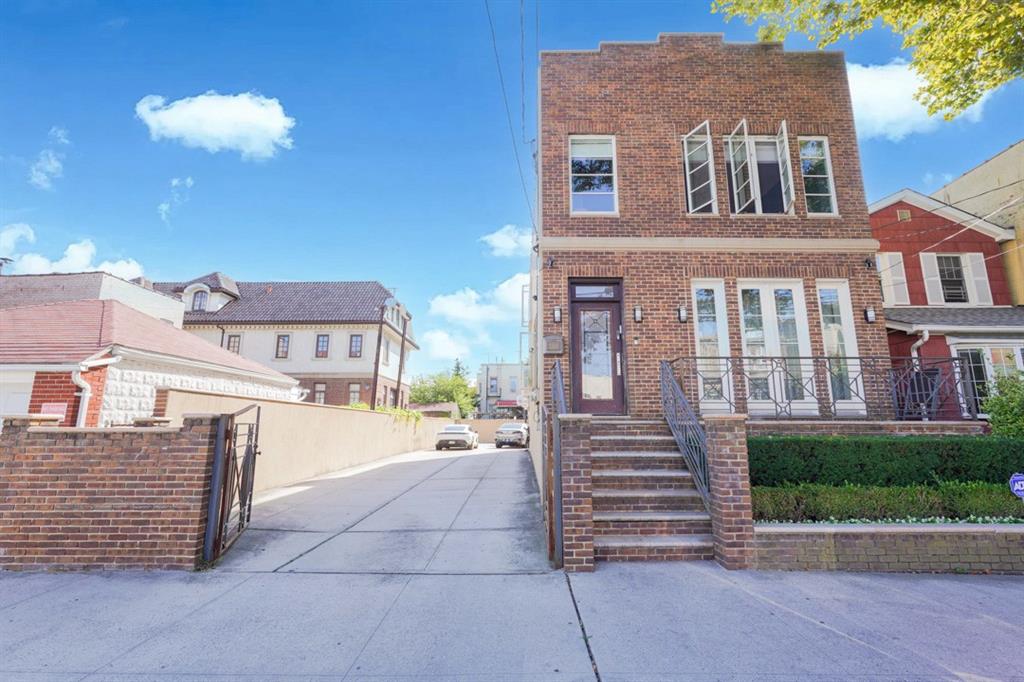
{"x": 199, "y": 300}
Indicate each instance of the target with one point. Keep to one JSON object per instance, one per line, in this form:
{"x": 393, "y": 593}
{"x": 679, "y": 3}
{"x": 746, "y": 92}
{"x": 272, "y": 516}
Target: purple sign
{"x": 1017, "y": 485}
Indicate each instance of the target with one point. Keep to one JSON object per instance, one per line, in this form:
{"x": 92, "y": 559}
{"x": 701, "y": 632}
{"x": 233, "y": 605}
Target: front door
{"x": 596, "y": 351}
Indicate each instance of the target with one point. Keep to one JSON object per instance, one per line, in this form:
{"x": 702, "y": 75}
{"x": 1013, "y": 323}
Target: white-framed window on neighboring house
{"x": 956, "y": 279}
{"x": 902, "y": 215}
{"x": 699, "y": 170}
{"x": 354, "y": 393}
{"x": 816, "y": 169}
{"x": 759, "y": 171}
{"x": 323, "y": 346}
{"x": 282, "y": 347}
{"x": 492, "y": 386}
{"x": 592, "y": 175}
{"x": 839, "y": 337}
{"x": 712, "y": 343}
{"x": 385, "y": 353}
{"x": 199, "y": 300}
{"x": 893, "y": 278}
{"x": 234, "y": 343}
{"x": 982, "y": 365}
{"x": 355, "y": 346}
{"x": 319, "y": 393}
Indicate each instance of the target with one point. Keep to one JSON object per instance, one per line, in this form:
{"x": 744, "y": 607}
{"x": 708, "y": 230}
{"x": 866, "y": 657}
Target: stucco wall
{"x": 131, "y": 388}
{"x": 302, "y": 440}
{"x": 148, "y": 301}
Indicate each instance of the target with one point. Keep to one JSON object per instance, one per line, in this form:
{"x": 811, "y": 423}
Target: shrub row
{"x": 883, "y": 460}
{"x": 816, "y": 502}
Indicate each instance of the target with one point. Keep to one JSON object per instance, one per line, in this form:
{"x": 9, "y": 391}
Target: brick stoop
{"x": 645, "y": 505}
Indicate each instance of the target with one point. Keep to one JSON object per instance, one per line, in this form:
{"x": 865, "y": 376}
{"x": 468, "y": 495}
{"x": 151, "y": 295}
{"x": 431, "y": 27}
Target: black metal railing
{"x": 808, "y": 387}
{"x": 558, "y": 407}
{"x": 686, "y": 429}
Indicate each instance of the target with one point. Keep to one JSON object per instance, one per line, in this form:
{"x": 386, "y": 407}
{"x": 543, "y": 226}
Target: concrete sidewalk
{"x": 432, "y": 566}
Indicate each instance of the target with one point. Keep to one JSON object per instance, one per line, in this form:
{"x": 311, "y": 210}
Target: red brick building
{"x": 702, "y": 201}
{"x": 945, "y": 288}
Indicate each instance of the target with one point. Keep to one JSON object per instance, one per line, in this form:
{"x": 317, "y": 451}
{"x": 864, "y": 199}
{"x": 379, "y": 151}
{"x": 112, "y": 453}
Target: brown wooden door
{"x": 596, "y": 356}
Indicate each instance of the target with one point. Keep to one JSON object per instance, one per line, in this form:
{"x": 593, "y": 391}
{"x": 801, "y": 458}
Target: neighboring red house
{"x": 945, "y": 289}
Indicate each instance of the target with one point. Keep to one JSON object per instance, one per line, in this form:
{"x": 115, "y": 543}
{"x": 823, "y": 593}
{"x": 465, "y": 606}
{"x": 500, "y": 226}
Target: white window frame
{"x": 785, "y": 169}
{"x": 985, "y": 346}
{"x": 785, "y": 162}
{"x": 893, "y": 276}
{"x": 855, "y": 405}
{"x": 359, "y": 392}
{"x": 614, "y": 174}
{"x": 315, "y": 391}
{"x": 975, "y": 273}
{"x": 828, "y": 166}
{"x": 385, "y": 355}
{"x": 705, "y": 129}
{"x": 205, "y": 298}
{"x": 724, "y": 404}
{"x": 734, "y": 168}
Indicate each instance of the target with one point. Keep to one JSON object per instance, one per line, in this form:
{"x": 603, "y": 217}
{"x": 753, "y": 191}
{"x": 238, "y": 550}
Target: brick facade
{"x": 923, "y": 547}
{"x": 57, "y": 387}
{"x": 104, "y": 498}
{"x": 732, "y": 514}
{"x": 577, "y": 494}
{"x": 337, "y": 389}
{"x": 784, "y": 427}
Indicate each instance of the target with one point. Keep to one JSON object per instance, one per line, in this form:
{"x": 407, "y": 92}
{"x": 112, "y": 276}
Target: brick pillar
{"x": 732, "y": 518}
{"x": 577, "y": 493}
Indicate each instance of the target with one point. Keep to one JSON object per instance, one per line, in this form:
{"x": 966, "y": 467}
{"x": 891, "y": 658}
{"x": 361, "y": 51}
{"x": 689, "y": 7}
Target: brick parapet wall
{"x": 731, "y": 509}
{"x": 995, "y": 548}
{"x": 577, "y": 493}
{"x": 104, "y": 498}
{"x": 865, "y": 428}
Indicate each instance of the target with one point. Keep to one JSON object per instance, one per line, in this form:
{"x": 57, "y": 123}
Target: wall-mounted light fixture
{"x": 638, "y": 314}
{"x": 556, "y": 314}
{"x": 869, "y": 314}
{"x": 550, "y": 261}
{"x": 682, "y": 313}
{"x": 869, "y": 263}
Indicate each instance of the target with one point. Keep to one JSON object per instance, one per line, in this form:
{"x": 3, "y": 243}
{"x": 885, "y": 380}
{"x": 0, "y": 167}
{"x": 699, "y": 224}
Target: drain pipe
{"x": 86, "y": 394}
{"x": 920, "y": 342}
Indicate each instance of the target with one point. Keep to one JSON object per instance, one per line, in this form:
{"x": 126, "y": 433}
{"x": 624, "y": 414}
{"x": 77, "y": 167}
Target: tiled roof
{"x": 215, "y": 281}
{"x": 294, "y": 302}
{"x": 70, "y": 332}
{"x": 1011, "y": 318}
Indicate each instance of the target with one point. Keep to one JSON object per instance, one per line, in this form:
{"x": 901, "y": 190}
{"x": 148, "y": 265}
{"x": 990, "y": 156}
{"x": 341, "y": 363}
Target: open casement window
{"x": 785, "y": 168}
{"x": 893, "y": 278}
{"x": 741, "y": 170}
{"x": 956, "y": 279}
{"x": 760, "y": 171}
{"x": 699, "y": 164}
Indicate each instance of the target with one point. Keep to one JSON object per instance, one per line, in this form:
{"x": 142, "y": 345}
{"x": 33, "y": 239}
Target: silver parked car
{"x": 457, "y": 436}
{"x": 513, "y": 435}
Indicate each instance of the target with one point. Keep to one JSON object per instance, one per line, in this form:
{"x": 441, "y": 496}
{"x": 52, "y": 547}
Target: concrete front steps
{"x": 646, "y": 507}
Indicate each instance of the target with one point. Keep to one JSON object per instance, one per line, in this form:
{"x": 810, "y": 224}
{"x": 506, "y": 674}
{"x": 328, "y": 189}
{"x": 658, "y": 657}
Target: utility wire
{"x": 522, "y": 70}
{"x": 953, "y": 205}
{"x": 508, "y": 115}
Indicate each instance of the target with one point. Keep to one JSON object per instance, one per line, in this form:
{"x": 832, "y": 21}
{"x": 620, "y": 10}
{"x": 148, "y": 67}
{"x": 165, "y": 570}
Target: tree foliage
{"x": 445, "y": 387}
{"x": 1005, "y": 408}
{"x": 961, "y": 48}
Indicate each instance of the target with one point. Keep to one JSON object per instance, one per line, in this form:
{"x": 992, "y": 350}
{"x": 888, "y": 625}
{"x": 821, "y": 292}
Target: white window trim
{"x": 615, "y": 176}
{"x": 330, "y": 345}
{"x": 359, "y": 397}
{"x": 852, "y": 406}
{"x": 969, "y": 279}
{"x": 888, "y": 265}
{"x": 712, "y": 406}
{"x": 314, "y": 392}
{"x": 785, "y": 169}
{"x": 385, "y": 352}
{"x": 755, "y": 179}
{"x": 986, "y": 346}
{"x": 710, "y": 143}
{"x": 831, "y": 175}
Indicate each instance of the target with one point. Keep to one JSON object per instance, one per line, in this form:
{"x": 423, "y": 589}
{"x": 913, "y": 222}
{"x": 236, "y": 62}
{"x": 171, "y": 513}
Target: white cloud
{"x": 931, "y": 180}
{"x": 884, "y": 104}
{"x": 47, "y": 167}
{"x": 163, "y": 209}
{"x": 59, "y": 135}
{"x": 179, "y": 195}
{"x": 253, "y": 125}
{"x": 511, "y": 241}
{"x": 469, "y": 307}
{"x": 441, "y": 345}
{"x": 77, "y": 257}
{"x": 11, "y": 235}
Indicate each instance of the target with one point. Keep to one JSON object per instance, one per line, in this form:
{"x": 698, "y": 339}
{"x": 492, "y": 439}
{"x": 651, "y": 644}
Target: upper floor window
{"x": 592, "y": 183}
{"x": 699, "y": 166}
{"x": 386, "y": 353}
{"x": 323, "y": 345}
{"x": 355, "y": 346}
{"x": 492, "y": 386}
{"x": 893, "y": 278}
{"x": 319, "y": 393}
{"x": 816, "y": 167}
{"x": 199, "y": 299}
{"x": 513, "y": 385}
{"x": 283, "y": 343}
{"x": 759, "y": 171}
{"x": 954, "y": 278}
{"x": 234, "y": 342}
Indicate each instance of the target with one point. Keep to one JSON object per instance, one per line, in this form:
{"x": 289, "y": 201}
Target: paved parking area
{"x": 432, "y": 566}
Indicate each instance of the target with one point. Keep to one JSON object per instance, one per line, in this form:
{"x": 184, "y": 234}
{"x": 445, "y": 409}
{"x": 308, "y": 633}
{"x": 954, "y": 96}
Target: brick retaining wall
{"x": 944, "y": 548}
{"x": 104, "y": 498}
{"x": 793, "y": 427}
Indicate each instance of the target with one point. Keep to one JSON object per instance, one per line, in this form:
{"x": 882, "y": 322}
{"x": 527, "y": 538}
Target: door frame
{"x": 618, "y": 346}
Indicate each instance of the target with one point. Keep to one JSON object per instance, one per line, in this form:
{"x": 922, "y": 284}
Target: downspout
{"x": 222, "y": 332}
{"x": 920, "y": 342}
{"x": 84, "y": 396}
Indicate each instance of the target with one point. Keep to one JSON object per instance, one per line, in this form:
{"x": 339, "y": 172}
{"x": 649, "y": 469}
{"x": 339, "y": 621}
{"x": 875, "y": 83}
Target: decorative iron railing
{"x": 883, "y": 388}
{"x": 558, "y": 408}
{"x": 686, "y": 429}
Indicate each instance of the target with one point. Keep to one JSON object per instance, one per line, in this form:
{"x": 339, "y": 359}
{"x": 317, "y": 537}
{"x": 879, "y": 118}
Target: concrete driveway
{"x": 431, "y": 566}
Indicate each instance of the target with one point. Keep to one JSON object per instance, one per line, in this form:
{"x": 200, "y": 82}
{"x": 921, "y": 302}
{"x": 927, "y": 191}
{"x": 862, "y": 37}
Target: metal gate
{"x": 234, "y": 466}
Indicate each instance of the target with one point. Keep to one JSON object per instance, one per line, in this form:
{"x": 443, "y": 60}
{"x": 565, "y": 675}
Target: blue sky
{"x": 373, "y": 145}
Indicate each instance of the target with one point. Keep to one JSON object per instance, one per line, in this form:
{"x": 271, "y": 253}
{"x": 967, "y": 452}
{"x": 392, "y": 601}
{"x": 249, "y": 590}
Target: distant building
{"x": 23, "y": 290}
{"x": 346, "y": 342}
{"x": 500, "y": 387}
{"x": 442, "y": 410}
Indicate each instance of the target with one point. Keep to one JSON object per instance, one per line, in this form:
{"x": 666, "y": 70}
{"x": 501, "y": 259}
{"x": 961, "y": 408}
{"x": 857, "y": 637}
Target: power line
{"x": 951, "y": 205}
{"x": 508, "y": 114}
{"x": 522, "y": 70}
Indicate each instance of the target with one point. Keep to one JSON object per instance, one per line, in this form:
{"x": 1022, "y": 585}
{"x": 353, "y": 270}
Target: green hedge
{"x": 883, "y": 460}
{"x": 815, "y": 502}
